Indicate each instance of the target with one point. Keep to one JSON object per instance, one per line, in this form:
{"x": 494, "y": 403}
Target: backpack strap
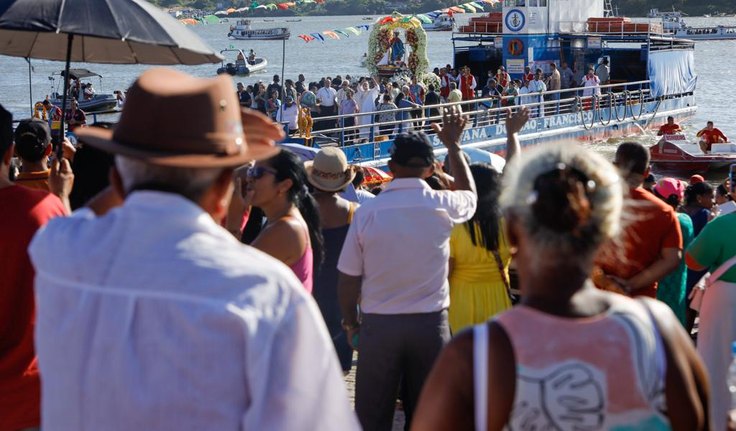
{"x": 715, "y": 275}
{"x": 480, "y": 375}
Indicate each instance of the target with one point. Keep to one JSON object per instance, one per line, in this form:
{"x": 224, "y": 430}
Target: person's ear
{"x": 48, "y": 150}
{"x": 512, "y": 234}
{"x": 647, "y": 171}
{"x": 285, "y": 186}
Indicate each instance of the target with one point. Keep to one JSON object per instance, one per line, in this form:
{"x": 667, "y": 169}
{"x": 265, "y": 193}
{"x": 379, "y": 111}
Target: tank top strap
{"x": 351, "y": 211}
{"x": 480, "y": 375}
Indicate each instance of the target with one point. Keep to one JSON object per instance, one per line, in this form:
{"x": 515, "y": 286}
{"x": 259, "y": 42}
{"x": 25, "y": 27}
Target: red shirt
{"x": 669, "y": 129}
{"x": 712, "y": 136}
{"x": 22, "y": 212}
{"x": 653, "y": 226}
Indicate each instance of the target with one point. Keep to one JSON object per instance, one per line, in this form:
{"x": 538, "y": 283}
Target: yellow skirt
{"x": 472, "y": 303}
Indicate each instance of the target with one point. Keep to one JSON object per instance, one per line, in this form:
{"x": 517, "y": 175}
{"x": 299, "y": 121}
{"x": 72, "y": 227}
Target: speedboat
{"x": 243, "y": 31}
{"x": 440, "y": 22}
{"x": 97, "y": 103}
{"x": 676, "y": 153}
{"x": 242, "y": 65}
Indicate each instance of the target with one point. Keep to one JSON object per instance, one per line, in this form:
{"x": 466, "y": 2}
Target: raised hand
{"x": 515, "y": 122}
{"x": 259, "y": 129}
{"x": 453, "y": 125}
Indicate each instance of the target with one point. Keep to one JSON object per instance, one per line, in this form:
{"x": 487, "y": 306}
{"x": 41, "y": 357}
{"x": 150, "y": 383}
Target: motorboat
{"x": 674, "y": 24}
{"x": 676, "y": 153}
{"x": 242, "y": 31}
{"x": 99, "y": 102}
{"x": 243, "y": 66}
{"x": 440, "y": 22}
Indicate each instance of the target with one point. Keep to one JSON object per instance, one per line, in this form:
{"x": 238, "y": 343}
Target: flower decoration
{"x": 380, "y": 42}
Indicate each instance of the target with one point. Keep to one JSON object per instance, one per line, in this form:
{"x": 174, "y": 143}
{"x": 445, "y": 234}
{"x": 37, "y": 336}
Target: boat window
{"x": 533, "y": 3}
{"x": 514, "y": 3}
{"x": 542, "y": 3}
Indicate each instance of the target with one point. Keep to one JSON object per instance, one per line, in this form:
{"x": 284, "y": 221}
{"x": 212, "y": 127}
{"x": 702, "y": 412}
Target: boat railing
{"x": 482, "y": 112}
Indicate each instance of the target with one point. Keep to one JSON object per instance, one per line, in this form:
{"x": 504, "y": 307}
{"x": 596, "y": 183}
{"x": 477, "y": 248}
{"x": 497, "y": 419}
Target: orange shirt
{"x": 669, "y": 129}
{"x": 34, "y": 180}
{"x": 712, "y": 136}
{"x": 653, "y": 226}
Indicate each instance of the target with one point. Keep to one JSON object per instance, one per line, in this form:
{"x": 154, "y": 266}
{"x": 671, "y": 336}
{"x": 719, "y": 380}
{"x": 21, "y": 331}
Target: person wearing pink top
{"x": 570, "y": 356}
{"x": 292, "y": 234}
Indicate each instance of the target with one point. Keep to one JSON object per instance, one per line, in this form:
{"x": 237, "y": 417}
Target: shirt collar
{"x": 162, "y": 202}
{"x": 36, "y": 175}
{"x": 406, "y": 183}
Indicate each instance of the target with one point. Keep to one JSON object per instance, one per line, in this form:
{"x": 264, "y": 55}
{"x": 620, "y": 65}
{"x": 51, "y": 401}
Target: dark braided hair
{"x": 289, "y": 166}
{"x": 488, "y": 212}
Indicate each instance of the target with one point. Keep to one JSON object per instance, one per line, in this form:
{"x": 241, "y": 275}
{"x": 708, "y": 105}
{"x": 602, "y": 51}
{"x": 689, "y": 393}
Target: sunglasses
{"x": 257, "y": 172}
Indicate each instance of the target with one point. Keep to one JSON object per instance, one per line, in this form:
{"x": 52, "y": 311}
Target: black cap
{"x": 412, "y": 149}
{"x": 32, "y": 136}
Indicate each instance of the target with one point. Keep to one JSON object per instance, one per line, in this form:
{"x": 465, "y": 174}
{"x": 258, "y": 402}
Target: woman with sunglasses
{"x": 278, "y": 186}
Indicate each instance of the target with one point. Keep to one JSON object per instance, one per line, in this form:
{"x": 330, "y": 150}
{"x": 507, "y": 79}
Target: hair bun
{"x": 561, "y": 202}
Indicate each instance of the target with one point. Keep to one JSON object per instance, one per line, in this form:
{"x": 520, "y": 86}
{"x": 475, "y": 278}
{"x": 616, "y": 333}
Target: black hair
{"x": 29, "y": 145}
{"x": 562, "y": 205}
{"x": 6, "y": 130}
{"x": 289, "y": 166}
{"x": 723, "y": 191}
{"x": 431, "y": 87}
{"x": 632, "y": 157}
{"x": 488, "y": 212}
{"x": 91, "y": 168}
{"x": 359, "y": 178}
{"x": 671, "y": 200}
{"x": 399, "y": 98}
{"x": 698, "y": 189}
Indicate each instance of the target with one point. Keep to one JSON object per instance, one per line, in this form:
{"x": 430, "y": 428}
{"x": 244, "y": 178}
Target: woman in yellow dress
{"x": 479, "y": 257}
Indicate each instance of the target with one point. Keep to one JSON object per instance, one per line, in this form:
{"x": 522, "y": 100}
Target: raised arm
{"x": 453, "y": 125}
{"x": 514, "y": 123}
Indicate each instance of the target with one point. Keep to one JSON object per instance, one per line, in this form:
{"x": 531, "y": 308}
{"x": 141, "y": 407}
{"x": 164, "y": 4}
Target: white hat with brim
{"x": 329, "y": 171}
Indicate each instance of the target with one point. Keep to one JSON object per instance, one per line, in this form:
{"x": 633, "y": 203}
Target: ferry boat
{"x": 440, "y": 22}
{"x": 674, "y": 153}
{"x": 673, "y": 23}
{"x": 242, "y": 31}
{"x": 652, "y": 77}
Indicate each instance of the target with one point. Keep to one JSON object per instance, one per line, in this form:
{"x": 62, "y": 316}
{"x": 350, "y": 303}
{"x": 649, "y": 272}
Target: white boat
{"x": 674, "y": 24}
{"x": 440, "y": 22}
{"x": 243, "y": 66}
{"x": 243, "y": 31}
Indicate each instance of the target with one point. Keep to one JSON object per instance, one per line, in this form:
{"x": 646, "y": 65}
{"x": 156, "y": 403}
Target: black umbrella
{"x": 97, "y": 31}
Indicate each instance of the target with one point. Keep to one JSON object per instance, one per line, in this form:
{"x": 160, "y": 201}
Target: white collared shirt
{"x": 154, "y": 317}
{"x": 327, "y": 96}
{"x": 399, "y": 243}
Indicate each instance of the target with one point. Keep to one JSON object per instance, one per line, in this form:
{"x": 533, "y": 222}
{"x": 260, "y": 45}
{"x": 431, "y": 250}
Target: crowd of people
{"x": 181, "y": 271}
{"x": 368, "y": 100}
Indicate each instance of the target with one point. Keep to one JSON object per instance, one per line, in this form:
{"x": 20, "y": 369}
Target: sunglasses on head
{"x": 257, "y": 172}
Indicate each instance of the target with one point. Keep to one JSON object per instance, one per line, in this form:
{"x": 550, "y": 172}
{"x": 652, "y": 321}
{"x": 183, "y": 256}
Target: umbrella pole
{"x": 283, "y": 79}
{"x": 30, "y": 85}
{"x": 60, "y": 148}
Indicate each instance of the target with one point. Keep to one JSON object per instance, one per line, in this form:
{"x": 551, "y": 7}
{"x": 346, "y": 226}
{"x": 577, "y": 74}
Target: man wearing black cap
{"x": 394, "y": 263}
{"x": 23, "y": 211}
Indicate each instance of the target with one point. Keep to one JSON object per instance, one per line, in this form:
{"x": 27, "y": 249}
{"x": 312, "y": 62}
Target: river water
{"x": 715, "y": 65}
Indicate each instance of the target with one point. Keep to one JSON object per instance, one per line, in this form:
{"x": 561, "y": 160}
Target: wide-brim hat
{"x": 171, "y": 118}
{"x": 329, "y": 171}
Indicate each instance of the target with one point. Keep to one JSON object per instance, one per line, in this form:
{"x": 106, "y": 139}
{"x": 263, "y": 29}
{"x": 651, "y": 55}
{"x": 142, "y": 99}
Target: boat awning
{"x": 81, "y": 73}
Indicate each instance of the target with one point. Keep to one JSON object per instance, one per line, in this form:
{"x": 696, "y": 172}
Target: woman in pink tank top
{"x": 569, "y": 357}
{"x": 292, "y": 233}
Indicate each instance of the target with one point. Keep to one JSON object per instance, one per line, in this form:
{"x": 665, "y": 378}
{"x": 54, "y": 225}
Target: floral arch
{"x": 380, "y": 42}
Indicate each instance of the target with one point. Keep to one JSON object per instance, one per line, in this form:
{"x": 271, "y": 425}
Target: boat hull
{"x": 584, "y": 126}
{"x": 99, "y": 103}
{"x": 714, "y": 33}
{"x": 675, "y": 157}
{"x": 243, "y": 70}
{"x": 247, "y": 36}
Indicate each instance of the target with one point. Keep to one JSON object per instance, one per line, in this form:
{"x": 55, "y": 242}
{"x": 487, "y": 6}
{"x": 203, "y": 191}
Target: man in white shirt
{"x": 603, "y": 72}
{"x": 152, "y": 316}
{"x": 340, "y": 95}
{"x": 394, "y": 263}
{"x": 538, "y": 87}
{"x": 289, "y": 113}
{"x": 327, "y": 97}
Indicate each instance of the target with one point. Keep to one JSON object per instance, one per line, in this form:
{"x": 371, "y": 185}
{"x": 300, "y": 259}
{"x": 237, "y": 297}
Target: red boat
{"x": 676, "y": 153}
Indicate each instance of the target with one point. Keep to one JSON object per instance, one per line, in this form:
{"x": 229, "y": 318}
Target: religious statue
{"x": 397, "y": 49}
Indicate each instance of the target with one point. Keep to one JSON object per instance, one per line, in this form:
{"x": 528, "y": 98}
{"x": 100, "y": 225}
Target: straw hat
{"x": 329, "y": 171}
{"x": 174, "y": 119}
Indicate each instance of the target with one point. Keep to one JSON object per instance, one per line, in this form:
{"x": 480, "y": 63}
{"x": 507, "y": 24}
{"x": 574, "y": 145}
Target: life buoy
{"x": 516, "y": 47}
{"x": 39, "y": 111}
